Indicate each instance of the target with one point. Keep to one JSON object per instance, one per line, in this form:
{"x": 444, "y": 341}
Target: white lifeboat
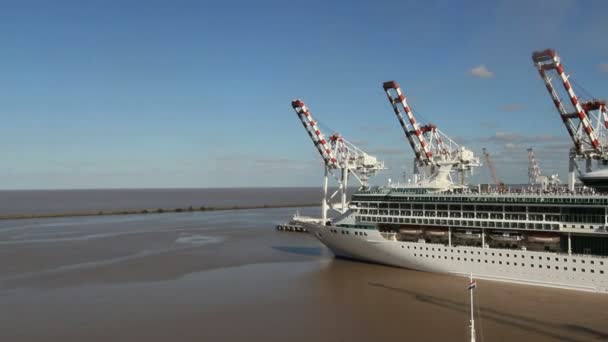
{"x": 436, "y": 232}
{"x": 467, "y": 234}
{"x": 410, "y": 230}
{"x": 543, "y": 238}
{"x": 505, "y": 236}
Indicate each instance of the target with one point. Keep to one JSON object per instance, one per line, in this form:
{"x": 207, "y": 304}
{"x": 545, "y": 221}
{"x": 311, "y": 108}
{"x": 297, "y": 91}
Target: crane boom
{"x": 411, "y": 128}
{"x": 575, "y": 117}
{"x": 436, "y": 154}
{"x": 491, "y": 167}
{"x": 315, "y": 133}
{"x": 339, "y": 156}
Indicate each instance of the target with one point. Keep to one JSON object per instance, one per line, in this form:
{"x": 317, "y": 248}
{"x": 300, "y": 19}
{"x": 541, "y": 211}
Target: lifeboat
{"x": 410, "y": 231}
{"x": 543, "y": 238}
{"x": 505, "y": 236}
{"x": 436, "y": 232}
{"x": 467, "y": 234}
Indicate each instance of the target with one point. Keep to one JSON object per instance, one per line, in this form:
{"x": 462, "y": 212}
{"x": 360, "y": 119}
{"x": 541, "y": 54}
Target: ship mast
{"x": 472, "y": 286}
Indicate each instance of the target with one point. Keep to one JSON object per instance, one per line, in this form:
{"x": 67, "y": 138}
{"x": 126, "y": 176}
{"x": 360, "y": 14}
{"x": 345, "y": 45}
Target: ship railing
{"x": 577, "y": 255}
{"x": 494, "y": 194}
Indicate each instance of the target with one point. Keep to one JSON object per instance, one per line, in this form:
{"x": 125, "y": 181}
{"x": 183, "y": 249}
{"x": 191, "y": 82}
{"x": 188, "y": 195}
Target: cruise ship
{"x": 554, "y": 237}
{"x": 548, "y": 239}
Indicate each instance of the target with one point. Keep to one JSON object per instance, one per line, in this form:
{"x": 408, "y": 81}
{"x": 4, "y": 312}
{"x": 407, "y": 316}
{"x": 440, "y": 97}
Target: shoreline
{"x": 189, "y": 209}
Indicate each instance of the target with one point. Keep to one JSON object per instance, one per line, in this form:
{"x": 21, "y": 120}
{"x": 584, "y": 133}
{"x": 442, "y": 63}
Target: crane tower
{"x": 434, "y": 151}
{"x": 500, "y": 185}
{"x": 338, "y": 155}
{"x": 585, "y": 121}
{"x": 535, "y": 176}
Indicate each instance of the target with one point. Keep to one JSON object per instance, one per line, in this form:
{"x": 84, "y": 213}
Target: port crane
{"x": 486, "y": 156}
{"x": 436, "y": 154}
{"x": 585, "y": 121}
{"x": 535, "y": 176}
{"x": 339, "y": 156}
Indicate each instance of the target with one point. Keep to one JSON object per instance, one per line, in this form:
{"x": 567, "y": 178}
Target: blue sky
{"x": 102, "y": 94}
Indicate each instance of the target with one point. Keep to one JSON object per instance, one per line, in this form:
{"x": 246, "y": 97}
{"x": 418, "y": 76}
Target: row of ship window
{"x": 568, "y": 214}
{"x": 478, "y": 215}
{"x": 507, "y": 263}
{"x": 346, "y": 232}
{"x": 508, "y": 255}
{"x": 485, "y": 224}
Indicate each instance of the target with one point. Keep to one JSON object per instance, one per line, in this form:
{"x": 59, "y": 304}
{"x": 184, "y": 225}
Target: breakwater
{"x": 153, "y": 211}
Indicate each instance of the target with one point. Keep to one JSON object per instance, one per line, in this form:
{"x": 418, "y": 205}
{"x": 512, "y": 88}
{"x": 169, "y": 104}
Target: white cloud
{"x": 506, "y": 137}
{"x": 388, "y": 151}
{"x": 481, "y": 71}
{"x": 511, "y": 107}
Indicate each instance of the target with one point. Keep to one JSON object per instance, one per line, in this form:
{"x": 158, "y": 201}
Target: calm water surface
{"x": 229, "y": 276}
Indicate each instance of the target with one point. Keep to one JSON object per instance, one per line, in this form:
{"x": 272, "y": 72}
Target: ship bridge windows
{"x": 583, "y": 215}
{"x": 493, "y": 208}
{"x": 468, "y": 208}
{"x": 543, "y": 209}
{"x": 535, "y": 217}
{"x": 394, "y": 205}
{"x": 455, "y": 207}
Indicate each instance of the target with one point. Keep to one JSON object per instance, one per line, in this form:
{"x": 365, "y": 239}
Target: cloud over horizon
{"x": 481, "y": 71}
{"x": 515, "y": 138}
{"x": 511, "y": 107}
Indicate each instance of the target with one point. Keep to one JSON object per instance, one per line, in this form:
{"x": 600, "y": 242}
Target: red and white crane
{"x": 434, "y": 151}
{"x": 337, "y": 154}
{"x": 586, "y": 121}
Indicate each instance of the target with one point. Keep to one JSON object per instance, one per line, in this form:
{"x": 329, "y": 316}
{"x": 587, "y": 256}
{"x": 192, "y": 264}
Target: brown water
{"x": 229, "y": 276}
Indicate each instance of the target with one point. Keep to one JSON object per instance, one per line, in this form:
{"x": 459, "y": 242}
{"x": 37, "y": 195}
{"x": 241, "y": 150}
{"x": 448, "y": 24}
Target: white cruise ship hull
{"x": 577, "y": 272}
